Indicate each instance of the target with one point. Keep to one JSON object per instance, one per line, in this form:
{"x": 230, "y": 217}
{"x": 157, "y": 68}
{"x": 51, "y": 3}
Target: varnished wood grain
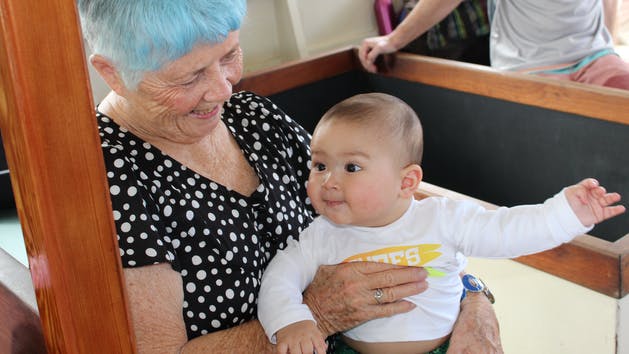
{"x": 290, "y": 75}
{"x": 47, "y": 121}
{"x": 586, "y": 100}
{"x": 57, "y": 172}
{"x": 564, "y": 96}
{"x": 586, "y": 264}
{"x": 589, "y": 261}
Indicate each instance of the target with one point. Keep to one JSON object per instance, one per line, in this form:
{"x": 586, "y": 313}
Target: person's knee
{"x": 618, "y": 81}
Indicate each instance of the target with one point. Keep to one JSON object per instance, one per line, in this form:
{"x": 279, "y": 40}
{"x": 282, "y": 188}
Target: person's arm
{"x": 611, "y": 9}
{"x": 424, "y": 15}
{"x": 476, "y": 329}
{"x": 155, "y": 301}
{"x": 342, "y": 296}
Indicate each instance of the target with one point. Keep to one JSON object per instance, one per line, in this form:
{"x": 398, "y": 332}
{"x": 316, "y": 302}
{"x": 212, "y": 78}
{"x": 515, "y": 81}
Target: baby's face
{"x": 355, "y": 177}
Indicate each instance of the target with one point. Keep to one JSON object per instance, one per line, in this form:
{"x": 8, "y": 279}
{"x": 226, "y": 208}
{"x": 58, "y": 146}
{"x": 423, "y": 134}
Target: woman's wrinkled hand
{"x": 342, "y": 296}
{"x": 476, "y": 331}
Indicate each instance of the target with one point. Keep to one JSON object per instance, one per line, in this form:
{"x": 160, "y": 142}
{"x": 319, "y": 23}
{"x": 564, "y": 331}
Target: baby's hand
{"x": 300, "y": 337}
{"x": 591, "y": 203}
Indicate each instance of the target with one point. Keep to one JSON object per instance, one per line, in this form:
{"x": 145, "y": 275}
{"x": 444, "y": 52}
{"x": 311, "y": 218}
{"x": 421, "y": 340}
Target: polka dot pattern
{"x": 220, "y": 241}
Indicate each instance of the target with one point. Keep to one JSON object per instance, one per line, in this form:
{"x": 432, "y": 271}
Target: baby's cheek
{"x": 313, "y": 193}
{"x": 310, "y": 188}
{"x": 370, "y": 199}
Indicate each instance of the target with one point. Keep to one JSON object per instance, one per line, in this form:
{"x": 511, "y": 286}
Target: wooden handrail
{"x": 564, "y": 96}
{"x": 299, "y": 72}
{"x": 52, "y": 146}
{"x": 589, "y": 261}
{"x": 597, "y": 264}
{"x": 58, "y": 176}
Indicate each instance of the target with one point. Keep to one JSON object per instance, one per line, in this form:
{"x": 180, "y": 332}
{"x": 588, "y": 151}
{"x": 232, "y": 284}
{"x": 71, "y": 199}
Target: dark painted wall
{"x": 501, "y": 152}
{"x": 498, "y": 151}
{"x": 6, "y": 194}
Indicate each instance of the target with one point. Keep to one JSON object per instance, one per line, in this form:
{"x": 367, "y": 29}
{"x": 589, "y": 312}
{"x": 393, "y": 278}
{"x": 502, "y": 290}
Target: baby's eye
{"x": 352, "y": 167}
{"x": 318, "y": 166}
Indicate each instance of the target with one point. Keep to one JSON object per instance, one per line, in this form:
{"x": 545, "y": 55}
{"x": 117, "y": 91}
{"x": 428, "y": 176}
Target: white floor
{"x": 11, "y": 239}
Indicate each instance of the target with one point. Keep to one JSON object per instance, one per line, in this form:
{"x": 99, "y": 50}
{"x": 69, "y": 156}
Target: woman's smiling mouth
{"x": 205, "y": 114}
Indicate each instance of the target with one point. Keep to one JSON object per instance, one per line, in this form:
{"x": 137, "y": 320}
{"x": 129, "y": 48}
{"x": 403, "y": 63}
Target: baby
{"x": 366, "y": 155}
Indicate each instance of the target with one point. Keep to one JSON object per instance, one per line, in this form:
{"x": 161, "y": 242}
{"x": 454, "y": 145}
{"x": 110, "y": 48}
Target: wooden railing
{"x": 597, "y": 264}
{"x": 50, "y": 137}
{"x": 53, "y": 151}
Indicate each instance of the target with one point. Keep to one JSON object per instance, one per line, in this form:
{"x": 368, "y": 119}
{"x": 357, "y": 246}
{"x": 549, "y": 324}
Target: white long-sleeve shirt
{"x": 434, "y": 232}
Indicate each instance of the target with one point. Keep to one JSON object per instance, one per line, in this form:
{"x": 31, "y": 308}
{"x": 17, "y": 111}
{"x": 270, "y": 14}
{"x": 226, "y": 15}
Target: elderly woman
{"x": 207, "y": 185}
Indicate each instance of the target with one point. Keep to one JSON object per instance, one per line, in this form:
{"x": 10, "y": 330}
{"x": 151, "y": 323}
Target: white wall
{"x": 623, "y": 325}
{"x": 99, "y": 87}
{"x": 279, "y": 31}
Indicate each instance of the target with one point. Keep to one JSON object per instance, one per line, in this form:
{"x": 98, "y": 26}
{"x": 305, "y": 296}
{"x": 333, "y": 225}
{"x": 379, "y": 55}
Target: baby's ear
{"x": 411, "y": 176}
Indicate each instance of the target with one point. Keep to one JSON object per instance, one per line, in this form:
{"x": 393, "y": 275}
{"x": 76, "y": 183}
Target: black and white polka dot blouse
{"x": 219, "y": 240}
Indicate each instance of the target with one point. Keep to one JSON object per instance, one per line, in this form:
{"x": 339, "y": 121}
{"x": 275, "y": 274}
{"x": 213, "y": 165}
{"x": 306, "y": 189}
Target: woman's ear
{"x": 411, "y": 176}
{"x": 108, "y": 72}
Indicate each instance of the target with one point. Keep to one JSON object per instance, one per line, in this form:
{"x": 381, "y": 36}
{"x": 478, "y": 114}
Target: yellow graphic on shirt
{"x": 413, "y": 255}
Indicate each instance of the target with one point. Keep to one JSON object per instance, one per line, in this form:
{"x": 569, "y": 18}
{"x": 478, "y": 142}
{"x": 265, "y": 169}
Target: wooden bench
{"x": 52, "y": 147}
{"x": 486, "y": 137}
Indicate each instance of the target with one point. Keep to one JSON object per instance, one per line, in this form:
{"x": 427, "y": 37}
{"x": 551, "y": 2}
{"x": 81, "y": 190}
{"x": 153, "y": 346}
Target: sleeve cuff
{"x": 565, "y": 223}
{"x": 282, "y": 321}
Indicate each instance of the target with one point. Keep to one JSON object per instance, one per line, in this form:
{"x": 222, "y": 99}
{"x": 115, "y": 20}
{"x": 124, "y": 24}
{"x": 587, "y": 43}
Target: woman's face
{"x": 182, "y": 102}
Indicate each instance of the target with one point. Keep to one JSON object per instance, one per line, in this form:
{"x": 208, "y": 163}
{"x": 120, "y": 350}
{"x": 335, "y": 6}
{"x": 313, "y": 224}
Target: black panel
{"x": 501, "y": 152}
{"x": 306, "y": 104}
{"x": 6, "y": 193}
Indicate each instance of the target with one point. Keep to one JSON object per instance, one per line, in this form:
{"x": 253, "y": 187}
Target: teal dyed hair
{"x": 143, "y": 35}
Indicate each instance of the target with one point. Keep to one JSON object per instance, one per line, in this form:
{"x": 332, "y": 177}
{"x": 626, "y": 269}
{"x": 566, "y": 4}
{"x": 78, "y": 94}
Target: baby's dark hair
{"x": 396, "y": 119}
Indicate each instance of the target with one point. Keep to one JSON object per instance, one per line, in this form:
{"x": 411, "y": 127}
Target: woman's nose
{"x": 219, "y": 87}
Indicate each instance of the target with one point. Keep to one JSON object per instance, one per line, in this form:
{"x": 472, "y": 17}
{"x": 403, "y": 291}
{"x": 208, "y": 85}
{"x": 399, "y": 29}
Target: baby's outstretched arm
{"x": 591, "y": 203}
{"x": 300, "y": 337}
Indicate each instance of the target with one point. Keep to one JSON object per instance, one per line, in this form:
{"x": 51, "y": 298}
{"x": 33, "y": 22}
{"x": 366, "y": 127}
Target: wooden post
{"x": 58, "y": 177}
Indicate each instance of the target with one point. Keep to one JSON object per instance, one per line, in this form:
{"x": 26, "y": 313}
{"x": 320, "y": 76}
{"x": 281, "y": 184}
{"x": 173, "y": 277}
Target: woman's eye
{"x": 231, "y": 56}
{"x": 352, "y": 167}
{"x": 191, "y": 81}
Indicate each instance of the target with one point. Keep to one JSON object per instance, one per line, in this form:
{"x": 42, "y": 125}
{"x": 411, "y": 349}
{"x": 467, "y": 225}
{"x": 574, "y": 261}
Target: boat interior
{"x": 497, "y": 138}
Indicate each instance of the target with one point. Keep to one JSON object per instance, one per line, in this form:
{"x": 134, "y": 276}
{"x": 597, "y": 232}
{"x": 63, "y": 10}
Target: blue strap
{"x": 576, "y": 67}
